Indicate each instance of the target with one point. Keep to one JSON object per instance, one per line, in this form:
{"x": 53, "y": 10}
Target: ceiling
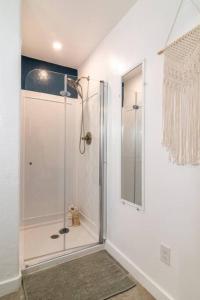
{"x": 79, "y": 25}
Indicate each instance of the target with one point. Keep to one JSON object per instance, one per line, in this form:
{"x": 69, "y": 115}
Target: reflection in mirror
{"x": 132, "y": 136}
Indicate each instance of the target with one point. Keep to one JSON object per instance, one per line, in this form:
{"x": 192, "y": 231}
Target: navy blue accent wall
{"x": 32, "y": 79}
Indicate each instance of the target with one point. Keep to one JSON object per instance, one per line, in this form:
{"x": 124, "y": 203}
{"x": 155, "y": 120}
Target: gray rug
{"x": 93, "y": 277}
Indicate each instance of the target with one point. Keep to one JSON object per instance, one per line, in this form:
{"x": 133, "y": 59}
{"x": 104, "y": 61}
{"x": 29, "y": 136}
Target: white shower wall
{"x": 43, "y": 147}
{"x": 87, "y": 165}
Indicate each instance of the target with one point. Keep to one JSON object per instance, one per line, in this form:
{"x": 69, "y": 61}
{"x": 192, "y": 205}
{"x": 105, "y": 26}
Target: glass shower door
{"x": 83, "y": 168}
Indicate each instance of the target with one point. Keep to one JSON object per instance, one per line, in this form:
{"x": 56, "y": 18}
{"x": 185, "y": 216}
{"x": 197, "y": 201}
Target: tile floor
{"x": 137, "y": 293}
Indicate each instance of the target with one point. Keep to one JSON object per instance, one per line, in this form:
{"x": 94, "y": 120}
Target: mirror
{"x": 132, "y": 137}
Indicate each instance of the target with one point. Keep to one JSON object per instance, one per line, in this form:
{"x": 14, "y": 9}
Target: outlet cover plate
{"x": 165, "y": 254}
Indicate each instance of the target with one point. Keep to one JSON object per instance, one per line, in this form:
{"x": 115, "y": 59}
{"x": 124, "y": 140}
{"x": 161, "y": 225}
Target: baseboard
{"x": 10, "y": 285}
{"x": 154, "y": 289}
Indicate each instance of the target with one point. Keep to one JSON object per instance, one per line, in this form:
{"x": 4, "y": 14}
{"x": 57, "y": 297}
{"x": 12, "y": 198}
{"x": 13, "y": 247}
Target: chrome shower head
{"x": 75, "y": 85}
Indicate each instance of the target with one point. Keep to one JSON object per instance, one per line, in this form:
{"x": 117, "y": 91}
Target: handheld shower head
{"x": 75, "y": 85}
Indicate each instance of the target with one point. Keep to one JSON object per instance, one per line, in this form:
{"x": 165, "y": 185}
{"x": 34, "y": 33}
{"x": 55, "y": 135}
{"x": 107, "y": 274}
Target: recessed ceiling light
{"x": 57, "y": 46}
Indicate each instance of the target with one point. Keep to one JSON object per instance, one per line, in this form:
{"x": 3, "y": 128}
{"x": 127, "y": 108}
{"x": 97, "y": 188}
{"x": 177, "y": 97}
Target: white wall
{"x": 172, "y": 207}
{"x": 9, "y": 143}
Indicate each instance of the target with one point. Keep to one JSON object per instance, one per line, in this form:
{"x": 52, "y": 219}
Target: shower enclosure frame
{"x": 79, "y": 251}
{"x": 103, "y": 162}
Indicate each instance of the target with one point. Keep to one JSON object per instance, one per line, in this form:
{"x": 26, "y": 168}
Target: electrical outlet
{"x": 165, "y": 254}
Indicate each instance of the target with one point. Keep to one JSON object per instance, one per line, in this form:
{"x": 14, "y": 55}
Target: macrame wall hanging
{"x": 181, "y": 96}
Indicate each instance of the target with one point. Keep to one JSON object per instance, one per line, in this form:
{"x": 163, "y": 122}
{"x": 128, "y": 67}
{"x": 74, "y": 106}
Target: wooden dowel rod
{"x": 179, "y": 39}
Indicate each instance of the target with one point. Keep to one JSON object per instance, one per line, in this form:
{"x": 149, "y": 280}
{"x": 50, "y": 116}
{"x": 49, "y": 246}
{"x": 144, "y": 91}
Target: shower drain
{"x": 61, "y": 231}
{"x": 54, "y": 236}
{"x": 64, "y": 230}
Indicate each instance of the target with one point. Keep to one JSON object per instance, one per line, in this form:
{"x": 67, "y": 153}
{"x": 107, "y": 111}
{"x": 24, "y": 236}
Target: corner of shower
{"x": 63, "y": 188}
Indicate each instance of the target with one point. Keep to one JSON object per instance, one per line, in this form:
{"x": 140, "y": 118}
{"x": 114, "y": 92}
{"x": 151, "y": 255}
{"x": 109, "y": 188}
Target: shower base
{"x": 37, "y": 244}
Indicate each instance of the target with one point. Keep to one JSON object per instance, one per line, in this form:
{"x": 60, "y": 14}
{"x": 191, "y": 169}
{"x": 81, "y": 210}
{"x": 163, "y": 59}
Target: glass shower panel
{"x": 49, "y": 82}
{"x": 82, "y": 173}
{"x": 45, "y": 81}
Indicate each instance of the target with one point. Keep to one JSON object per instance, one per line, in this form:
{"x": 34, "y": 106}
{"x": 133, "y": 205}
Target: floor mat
{"x": 93, "y": 277}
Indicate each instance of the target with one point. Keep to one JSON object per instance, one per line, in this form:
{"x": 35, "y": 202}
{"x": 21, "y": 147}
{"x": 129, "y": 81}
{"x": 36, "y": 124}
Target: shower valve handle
{"x": 87, "y": 138}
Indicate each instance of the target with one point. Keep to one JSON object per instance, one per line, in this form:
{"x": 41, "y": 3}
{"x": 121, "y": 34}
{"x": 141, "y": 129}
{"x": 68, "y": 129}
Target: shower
{"x": 56, "y": 177}
{"x": 83, "y": 138}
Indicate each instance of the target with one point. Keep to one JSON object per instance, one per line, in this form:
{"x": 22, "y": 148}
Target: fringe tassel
{"x": 181, "y": 100}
